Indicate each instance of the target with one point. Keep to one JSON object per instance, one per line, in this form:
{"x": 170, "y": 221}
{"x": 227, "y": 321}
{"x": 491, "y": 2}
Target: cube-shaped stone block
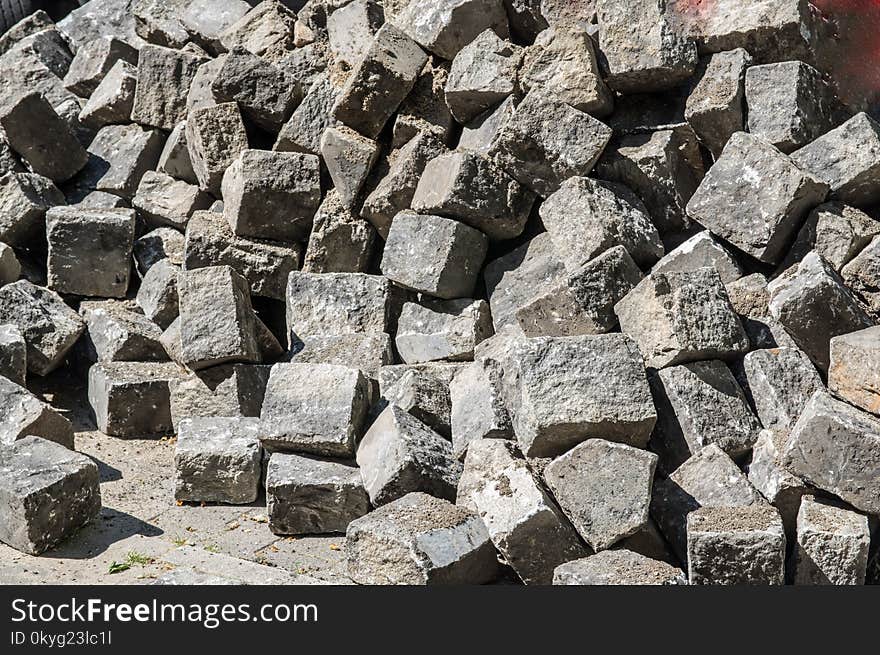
{"x": 478, "y": 410}
{"x": 445, "y": 27}
{"x": 164, "y": 79}
{"x": 26, "y": 415}
{"x": 112, "y": 100}
{"x": 447, "y": 330}
{"x": 116, "y": 334}
{"x": 780, "y": 382}
{"x": 832, "y": 545}
{"x": 13, "y": 354}
{"x": 617, "y": 568}
{"x": 220, "y": 391}
{"x": 853, "y": 374}
{"x": 119, "y": 157}
{"x": 93, "y": 60}
{"x": 163, "y": 200}
{"x": 24, "y": 199}
{"x": 215, "y": 136}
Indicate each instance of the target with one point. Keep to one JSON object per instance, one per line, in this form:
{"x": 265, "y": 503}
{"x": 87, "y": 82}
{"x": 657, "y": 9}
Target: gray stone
{"x": 424, "y": 111}
{"x": 663, "y": 168}
{"x": 370, "y": 351}
{"x": 349, "y": 158}
{"x": 399, "y": 454}
{"x": 201, "y": 90}
{"x": 756, "y": 198}
{"x": 312, "y": 496}
{"x": 272, "y": 195}
{"x": 420, "y": 540}
{"x": 586, "y": 217}
{"x": 699, "y": 404}
{"x": 470, "y": 188}
{"x": 25, "y": 69}
{"x": 790, "y": 105}
{"x": 569, "y": 389}
{"x": 264, "y": 264}
{"x": 112, "y": 100}
{"x": 811, "y": 301}
{"x": 617, "y": 568}
{"x": 846, "y": 159}
{"x": 264, "y": 93}
{"x": 444, "y": 27}
{"x": 563, "y": 64}
{"x": 217, "y": 322}
{"x": 853, "y": 374}
{"x": 103, "y": 200}
{"x": 780, "y": 382}
{"x": 119, "y": 335}
{"x": 159, "y": 22}
{"x": 832, "y": 545}
{"x": 217, "y": 460}
{"x": 479, "y": 135}
{"x": 644, "y": 49}
{"x": 36, "y": 132}
{"x": 50, "y": 327}
{"x": 47, "y": 493}
{"x": 24, "y": 199}
{"x": 680, "y": 317}
{"x": 604, "y": 488}
{"x": 156, "y": 245}
{"x": 267, "y": 31}
{"x": 546, "y": 142}
{"x": 736, "y": 546}
{"x": 220, "y": 391}
{"x": 447, "y": 330}
{"x": 395, "y": 191}
{"x": 90, "y": 251}
{"x": 158, "y": 295}
{"x": 422, "y": 390}
{"x": 341, "y": 241}
{"x": 835, "y": 231}
{"x": 25, "y": 415}
{"x": 583, "y": 302}
{"x": 13, "y": 354}
{"x": 119, "y": 157}
{"x": 93, "y": 60}
{"x": 781, "y": 489}
{"x": 164, "y": 79}
{"x": 306, "y": 125}
{"x": 163, "y": 200}
{"x": 483, "y": 74}
{"x": 523, "y": 520}
{"x": 701, "y": 251}
{"x": 206, "y": 20}
{"x": 10, "y": 268}
{"x": 31, "y": 24}
{"x": 862, "y": 276}
{"x": 132, "y": 399}
{"x": 716, "y": 107}
{"x": 214, "y": 138}
{"x": 434, "y": 255}
{"x": 350, "y": 30}
{"x": 315, "y": 409}
{"x": 751, "y": 300}
{"x": 380, "y": 81}
{"x": 835, "y": 447}
{"x": 175, "y": 160}
{"x": 708, "y": 479}
{"x": 478, "y": 410}
{"x": 338, "y": 303}
{"x": 516, "y": 279}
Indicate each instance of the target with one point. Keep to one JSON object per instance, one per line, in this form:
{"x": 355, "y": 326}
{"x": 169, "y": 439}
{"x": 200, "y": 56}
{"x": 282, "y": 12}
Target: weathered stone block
{"x": 206, "y": 20}
{"x": 164, "y": 79}
{"x": 313, "y": 496}
{"x": 423, "y": 390}
{"x": 47, "y": 493}
{"x": 617, "y": 567}
{"x": 175, "y": 159}
{"x": 769, "y": 203}
{"x": 853, "y": 374}
{"x": 782, "y": 489}
{"x": 350, "y": 30}
{"x": 10, "y": 268}
{"x": 604, "y": 488}
{"x": 112, "y": 101}
{"x": 523, "y": 520}
{"x": 214, "y": 138}
{"x": 470, "y": 188}
{"x": 445, "y": 27}
{"x": 156, "y": 245}
{"x": 163, "y": 200}
{"x": 835, "y": 231}
{"x": 832, "y": 545}
{"x": 862, "y": 276}
{"x": 131, "y": 399}
{"x": 478, "y": 410}
{"x": 158, "y": 295}
{"x": 447, "y": 330}
{"x": 218, "y": 460}
{"x": 566, "y": 390}
{"x": 434, "y": 255}
{"x": 24, "y": 199}
{"x": 119, "y": 157}
{"x": 267, "y": 31}
{"x": 316, "y": 409}
{"x": 836, "y": 448}
{"x": 812, "y": 303}
{"x": 424, "y": 111}
{"x": 680, "y": 317}
{"x": 25, "y": 415}
{"x": 93, "y": 60}
{"x": 370, "y": 351}
{"x": 399, "y": 454}
{"x": 50, "y": 327}
{"x": 736, "y": 546}
{"x": 780, "y": 382}
{"x": 116, "y": 334}
{"x": 349, "y": 158}
{"x": 341, "y": 241}
{"x": 422, "y": 540}
{"x": 13, "y": 354}
{"x": 220, "y": 391}
{"x": 217, "y": 322}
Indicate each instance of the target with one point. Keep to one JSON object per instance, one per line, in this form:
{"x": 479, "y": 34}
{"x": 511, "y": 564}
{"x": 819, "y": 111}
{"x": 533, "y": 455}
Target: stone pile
{"x": 581, "y": 292}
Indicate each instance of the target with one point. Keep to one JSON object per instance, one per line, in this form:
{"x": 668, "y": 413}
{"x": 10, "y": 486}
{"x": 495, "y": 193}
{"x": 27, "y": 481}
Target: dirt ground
{"x": 143, "y": 537}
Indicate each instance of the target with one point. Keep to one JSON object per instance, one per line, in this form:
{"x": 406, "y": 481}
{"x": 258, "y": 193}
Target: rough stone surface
{"x": 164, "y": 79}
{"x": 701, "y": 251}
{"x": 782, "y": 489}
{"x": 214, "y": 138}
{"x": 112, "y": 101}
{"x": 13, "y": 354}
{"x": 835, "y": 231}
{"x": 832, "y": 545}
{"x": 780, "y": 382}
{"x": 420, "y": 540}
{"x": 221, "y": 391}
{"x": 25, "y": 415}
{"x": 617, "y": 567}
{"x": 24, "y": 199}
{"x": 852, "y": 374}
{"x": 313, "y": 496}
{"x": 47, "y": 492}
{"x": 217, "y": 460}
{"x": 449, "y": 330}
{"x": 341, "y": 241}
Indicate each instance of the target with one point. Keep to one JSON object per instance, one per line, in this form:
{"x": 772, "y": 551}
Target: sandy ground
{"x": 141, "y": 524}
